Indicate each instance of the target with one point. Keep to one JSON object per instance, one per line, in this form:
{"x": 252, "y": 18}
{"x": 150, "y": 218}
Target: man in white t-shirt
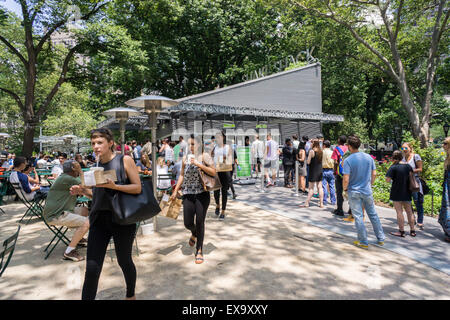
{"x": 42, "y": 163}
{"x": 271, "y": 160}
{"x": 58, "y": 169}
{"x": 257, "y": 153}
{"x": 295, "y": 141}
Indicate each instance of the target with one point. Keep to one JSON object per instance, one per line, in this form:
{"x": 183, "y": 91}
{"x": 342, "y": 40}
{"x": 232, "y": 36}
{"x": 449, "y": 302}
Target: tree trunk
{"x": 420, "y": 130}
{"x": 28, "y": 137}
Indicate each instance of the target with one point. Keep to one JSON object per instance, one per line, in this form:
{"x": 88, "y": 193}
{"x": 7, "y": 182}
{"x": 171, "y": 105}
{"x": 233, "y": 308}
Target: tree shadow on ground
{"x": 253, "y": 254}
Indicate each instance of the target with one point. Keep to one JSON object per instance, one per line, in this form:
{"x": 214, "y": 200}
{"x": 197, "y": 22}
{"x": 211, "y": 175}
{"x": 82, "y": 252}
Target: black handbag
{"x": 425, "y": 187}
{"x": 133, "y": 208}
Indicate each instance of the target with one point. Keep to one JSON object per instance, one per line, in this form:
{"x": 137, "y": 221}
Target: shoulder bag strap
{"x": 122, "y": 170}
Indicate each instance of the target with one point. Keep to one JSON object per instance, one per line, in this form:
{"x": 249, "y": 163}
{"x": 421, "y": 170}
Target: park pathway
{"x": 428, "y": 247}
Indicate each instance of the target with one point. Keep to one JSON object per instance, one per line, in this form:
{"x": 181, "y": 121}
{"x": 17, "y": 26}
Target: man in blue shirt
{"x": 359, "y": 176}
{"x": 29, "y": 192}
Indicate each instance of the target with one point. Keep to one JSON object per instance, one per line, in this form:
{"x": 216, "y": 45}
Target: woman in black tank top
{"x": 102, "y": 227}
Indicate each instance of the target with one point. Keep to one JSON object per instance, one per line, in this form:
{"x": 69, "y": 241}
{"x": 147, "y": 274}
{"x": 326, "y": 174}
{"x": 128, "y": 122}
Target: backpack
{"x": 340, "y": 168}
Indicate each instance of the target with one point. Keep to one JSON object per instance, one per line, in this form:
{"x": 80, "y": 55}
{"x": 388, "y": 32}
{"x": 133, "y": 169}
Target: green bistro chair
{"x": 165, "y": 177}
{"x": 7, "y": 251}
{"x": 59, "y": 235}
{"x": 83, "y": 201}
{"x": 34, "y": 207}
{"x": 3, "y": 192}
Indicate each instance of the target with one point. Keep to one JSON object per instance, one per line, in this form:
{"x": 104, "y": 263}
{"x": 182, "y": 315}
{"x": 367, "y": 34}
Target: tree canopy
{"x": 384, "y": 63}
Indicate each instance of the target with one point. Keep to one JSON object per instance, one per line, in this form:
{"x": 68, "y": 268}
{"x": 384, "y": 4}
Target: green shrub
{"x": 433, "y": 174}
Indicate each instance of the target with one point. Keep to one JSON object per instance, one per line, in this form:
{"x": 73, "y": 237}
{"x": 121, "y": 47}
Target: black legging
{"x": 196, "y": 205}
{"x": 224, "y": 179}
{"x": 100, "y": 233}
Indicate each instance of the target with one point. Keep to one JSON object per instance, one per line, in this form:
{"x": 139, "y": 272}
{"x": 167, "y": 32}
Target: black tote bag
{"x": 133, "y": 208}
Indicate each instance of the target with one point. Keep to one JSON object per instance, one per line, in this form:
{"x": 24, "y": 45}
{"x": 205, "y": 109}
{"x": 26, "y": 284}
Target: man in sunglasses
{"x": 58, "y": 169}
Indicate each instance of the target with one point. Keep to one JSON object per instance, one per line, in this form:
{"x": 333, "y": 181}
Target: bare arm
{"x": 302, "y": 155}
{"x": 180, "y": 180}
{"x": 135, "y": 186}
{"x": 310, "y": 156}
{"x": 419, "y": 167}
{"x": 345, "y": 182}
{"x": 34, "y": 180}
{"x": 209, "y": 168}
{"x": 374, "y": 175}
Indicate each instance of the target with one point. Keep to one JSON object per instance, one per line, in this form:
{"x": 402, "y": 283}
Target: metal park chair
{"x": 34, "y": 207}
{"x": 59, "y": 235}
{"x": 7, "y": 251}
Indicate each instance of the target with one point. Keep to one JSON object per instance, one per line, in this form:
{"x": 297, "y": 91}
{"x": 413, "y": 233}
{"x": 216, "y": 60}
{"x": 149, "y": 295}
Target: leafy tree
{"x": 32, "y": 55}
{"x": 117, "y": 67}
{"x": 403, "y": 39}
{"x": 198, "y": 45}
{"x": 69, "y": 109}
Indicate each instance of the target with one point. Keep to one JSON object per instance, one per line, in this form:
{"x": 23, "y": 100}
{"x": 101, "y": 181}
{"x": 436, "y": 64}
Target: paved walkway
{"x": 253, "y": 254}
{"x": 428, "y": 247}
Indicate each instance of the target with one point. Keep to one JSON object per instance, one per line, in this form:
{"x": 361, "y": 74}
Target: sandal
{"x": 420, "y": 225}
{"x": 304, "y": 206}
{"x": 199, "y": 258}
{"x": 412, "y": 233}
{"x": 398, "y": 234}
{"x": 192, "y": 241}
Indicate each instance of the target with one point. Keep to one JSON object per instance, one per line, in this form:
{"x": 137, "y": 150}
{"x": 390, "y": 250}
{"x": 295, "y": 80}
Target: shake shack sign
{"x": 281, "y": 65}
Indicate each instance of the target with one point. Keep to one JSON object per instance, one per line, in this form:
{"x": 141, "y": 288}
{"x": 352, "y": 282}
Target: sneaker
{"x": 217, "y": 211}
{"x": 222, "y": 217}
{"x": 73, "y": 255}
{"x": 82, "y": 243}
{"x": 380, "y": 243}
{"x": 338, "y": 213}
{"x": 360, "y": 245}
{"x": 349, "y": 219}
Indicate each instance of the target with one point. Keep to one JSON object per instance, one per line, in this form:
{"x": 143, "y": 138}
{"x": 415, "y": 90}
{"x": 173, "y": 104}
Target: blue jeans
{"x": 444, "y": 213}
{"x": 357, "y": 201}
{"x": 328, "y": 177}
{"x": 418, "y": 201}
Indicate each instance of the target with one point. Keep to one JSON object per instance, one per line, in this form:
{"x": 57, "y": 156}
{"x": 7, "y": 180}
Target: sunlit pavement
{"x": 253, "y": 254}
{"x": 429, "y": 247}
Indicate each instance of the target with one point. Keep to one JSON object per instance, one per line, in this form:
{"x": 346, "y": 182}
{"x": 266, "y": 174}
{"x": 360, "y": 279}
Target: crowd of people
{"x": 343, "y": 171}
{"x": 335, "y": 173}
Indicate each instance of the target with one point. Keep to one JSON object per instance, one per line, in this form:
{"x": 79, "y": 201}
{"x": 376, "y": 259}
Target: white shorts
{"x": 69, "y": 219}
{"x": 272, "y": 164}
